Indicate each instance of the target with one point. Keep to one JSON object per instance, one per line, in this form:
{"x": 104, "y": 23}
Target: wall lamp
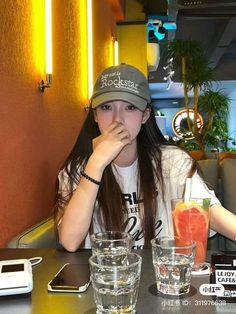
{"x": 48, "y": 47}
{"x": 90, "y": 47}
{"x": 115, "y": 51}
{"x": 89, "y": 26}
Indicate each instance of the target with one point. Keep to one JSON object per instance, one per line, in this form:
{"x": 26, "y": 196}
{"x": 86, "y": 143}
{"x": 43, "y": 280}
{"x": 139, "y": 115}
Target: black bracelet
{"x": 83, "y": 174}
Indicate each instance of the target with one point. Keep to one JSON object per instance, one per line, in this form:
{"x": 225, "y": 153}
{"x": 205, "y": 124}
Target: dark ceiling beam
{"x": 172, "y": 13}
{"x": 224, "y": 41}
{"x": 207, "y": 17}
{"x": 190, "y": 5}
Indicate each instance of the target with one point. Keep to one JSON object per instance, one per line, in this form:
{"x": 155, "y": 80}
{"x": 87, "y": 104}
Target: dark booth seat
{"x": 41, "y": 235}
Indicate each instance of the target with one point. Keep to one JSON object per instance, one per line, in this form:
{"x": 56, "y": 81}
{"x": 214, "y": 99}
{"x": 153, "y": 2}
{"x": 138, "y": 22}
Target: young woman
{"x": 121, "y": 174}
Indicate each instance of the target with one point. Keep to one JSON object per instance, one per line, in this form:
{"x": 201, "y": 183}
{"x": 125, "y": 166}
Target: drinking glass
{"x": 115, "y": 282}
{"x": 191, "y": 222}
{"x": 173, "y": 259}
{"x": 111, "y": 242}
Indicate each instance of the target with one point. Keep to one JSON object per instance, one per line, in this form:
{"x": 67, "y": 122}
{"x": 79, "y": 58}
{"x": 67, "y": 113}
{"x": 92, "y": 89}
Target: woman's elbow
{"x": 68, "y": 242}
{"x": 69, "y": 245}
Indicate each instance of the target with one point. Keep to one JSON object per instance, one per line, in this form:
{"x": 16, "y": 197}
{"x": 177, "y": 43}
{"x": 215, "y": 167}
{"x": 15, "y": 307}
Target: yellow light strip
{"x": 48, "y": 35}
{"x": 90, "y": 46}
{"x": 116, "y": 52}
{"x": 82, "y": 54}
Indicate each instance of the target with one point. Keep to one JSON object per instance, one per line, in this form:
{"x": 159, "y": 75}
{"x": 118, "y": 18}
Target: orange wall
{"x": 39, "y": 129}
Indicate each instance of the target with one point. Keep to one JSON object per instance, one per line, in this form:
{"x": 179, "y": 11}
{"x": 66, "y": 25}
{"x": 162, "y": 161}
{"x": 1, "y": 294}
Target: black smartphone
{"x": 71, "y": 278}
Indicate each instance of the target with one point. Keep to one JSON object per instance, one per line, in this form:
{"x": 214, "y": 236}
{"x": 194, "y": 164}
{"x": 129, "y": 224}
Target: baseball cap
{"x": 121, "y": 82}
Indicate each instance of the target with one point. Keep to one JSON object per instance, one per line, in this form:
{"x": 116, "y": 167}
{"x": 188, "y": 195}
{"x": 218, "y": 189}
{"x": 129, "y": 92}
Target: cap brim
{"x": 137, "y": 101}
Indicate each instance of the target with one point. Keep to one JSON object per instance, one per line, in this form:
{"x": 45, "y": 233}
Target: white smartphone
{"x": 71, "y": 278}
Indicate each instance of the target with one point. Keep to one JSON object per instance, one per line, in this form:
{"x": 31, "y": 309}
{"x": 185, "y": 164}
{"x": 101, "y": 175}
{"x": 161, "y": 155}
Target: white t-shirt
{"x": 176, "y": 165}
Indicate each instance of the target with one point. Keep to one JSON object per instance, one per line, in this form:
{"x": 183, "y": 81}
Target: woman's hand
{"x": 109, "y": 144}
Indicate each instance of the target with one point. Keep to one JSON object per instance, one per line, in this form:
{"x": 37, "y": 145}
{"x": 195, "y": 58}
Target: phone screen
{"x": 71, "y": 278}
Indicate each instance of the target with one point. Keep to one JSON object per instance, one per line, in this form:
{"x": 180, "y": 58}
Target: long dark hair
{"x": 112, "y": 215}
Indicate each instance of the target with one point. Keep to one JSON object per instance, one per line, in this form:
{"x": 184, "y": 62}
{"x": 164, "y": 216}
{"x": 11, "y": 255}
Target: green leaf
{"x": 206, "y": 203}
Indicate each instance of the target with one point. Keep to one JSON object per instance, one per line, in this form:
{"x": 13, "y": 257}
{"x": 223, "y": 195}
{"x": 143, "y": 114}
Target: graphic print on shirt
{"x": 133, "y": 224}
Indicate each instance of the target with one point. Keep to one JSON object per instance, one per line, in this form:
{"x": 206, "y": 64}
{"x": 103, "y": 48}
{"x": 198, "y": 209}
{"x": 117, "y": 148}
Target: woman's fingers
{"x": 114, "y": 138}
{"x": 117, "y": 130}
{"x": 123, "y": 135}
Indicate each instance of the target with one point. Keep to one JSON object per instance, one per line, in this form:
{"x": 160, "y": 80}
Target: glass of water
{"x": 115, "y": 282}
{"x": 111, "y": 243}
{"x": 173, "y": 259}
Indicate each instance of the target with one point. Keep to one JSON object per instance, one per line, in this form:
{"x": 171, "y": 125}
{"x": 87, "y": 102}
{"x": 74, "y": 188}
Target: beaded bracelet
{"x": 83, "y": 174}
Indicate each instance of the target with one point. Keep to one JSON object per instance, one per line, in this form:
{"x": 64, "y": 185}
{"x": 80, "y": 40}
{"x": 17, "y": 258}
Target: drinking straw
{"x": 187, "y": 192}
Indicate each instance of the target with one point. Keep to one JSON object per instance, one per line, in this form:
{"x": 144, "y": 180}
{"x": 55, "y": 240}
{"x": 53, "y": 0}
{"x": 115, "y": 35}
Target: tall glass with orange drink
{"x": 191, "y": 222}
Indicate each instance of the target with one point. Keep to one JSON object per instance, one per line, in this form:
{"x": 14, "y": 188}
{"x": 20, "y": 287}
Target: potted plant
{"x": 197, "y": 75}
{"x": 214, "y": 107}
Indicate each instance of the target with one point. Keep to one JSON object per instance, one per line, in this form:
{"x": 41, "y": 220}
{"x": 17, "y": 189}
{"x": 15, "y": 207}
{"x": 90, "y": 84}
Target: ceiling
{"x": 211, "y": 22}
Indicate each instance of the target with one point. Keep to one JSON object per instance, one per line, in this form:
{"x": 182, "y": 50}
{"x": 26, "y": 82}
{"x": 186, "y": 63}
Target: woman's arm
{"x": 223, "y": 221}
{"x": 76, "y": 220}
{"x": 77, "y": 217}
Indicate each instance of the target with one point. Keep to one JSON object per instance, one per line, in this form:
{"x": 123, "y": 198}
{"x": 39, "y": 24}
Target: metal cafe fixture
{"x": 169, "y": 73}
{"x": 158, "y": 28}
{"x": 155, "y": 28}
{"x": 48, "y": 44}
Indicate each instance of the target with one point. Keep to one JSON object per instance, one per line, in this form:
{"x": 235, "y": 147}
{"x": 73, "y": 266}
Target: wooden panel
{"x": 118, "y": 6}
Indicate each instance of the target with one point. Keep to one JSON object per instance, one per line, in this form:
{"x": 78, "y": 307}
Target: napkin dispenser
{"x": 15, "y": 277}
